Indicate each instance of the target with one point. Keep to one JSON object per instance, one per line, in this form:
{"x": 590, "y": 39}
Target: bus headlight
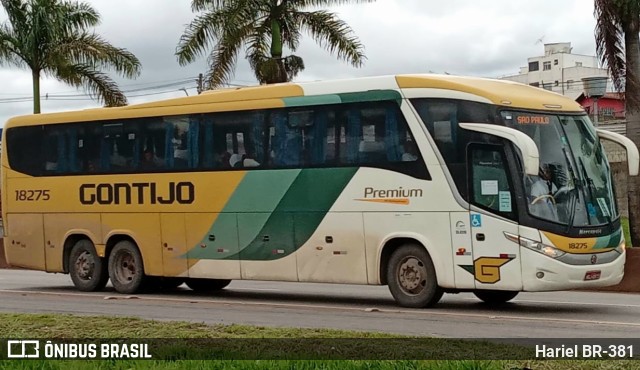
{"x": 539, "y": 247}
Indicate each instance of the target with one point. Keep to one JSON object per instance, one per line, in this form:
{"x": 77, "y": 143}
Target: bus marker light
{"x": 539, "y": 274}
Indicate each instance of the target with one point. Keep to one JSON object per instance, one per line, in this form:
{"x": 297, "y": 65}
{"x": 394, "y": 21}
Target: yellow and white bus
{"x": 428, "y": 184}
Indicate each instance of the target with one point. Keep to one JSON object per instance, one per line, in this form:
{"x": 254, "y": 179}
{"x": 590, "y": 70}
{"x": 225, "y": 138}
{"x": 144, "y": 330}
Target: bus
{"x": 428, "y": 184}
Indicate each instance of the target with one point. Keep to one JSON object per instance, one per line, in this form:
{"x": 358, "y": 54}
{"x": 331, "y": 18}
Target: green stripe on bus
{"x": 298, "y": 215}
{"x": 372, "y": 95}
{"x": 302, "y": 101}
{"x": 261, "y": 191}
{"x": 609, "y": 241}
{"x": 250, "y": 205}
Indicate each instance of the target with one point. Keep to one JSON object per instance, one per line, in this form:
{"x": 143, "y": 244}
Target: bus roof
{"x": 499, "y": 92}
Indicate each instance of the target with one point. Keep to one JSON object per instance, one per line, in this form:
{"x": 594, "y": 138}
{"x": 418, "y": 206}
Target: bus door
{"x": 492, "y": 210}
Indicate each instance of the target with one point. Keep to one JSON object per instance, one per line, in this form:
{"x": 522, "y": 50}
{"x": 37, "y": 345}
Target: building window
{"x": 534, "y": 66}
{"x": 578, "y": 64}
{"x": 546, "y": 66}
{"x": 555, "y": 62}
{"x": 557, "y": 83}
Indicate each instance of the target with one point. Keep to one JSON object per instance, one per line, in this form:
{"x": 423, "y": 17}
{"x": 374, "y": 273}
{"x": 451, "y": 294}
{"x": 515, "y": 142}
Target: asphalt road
{"x": 366, "y": 308}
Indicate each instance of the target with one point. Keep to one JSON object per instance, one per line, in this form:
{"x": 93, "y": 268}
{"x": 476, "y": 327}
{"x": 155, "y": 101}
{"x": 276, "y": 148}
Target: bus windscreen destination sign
{"x": 533, "y": 119}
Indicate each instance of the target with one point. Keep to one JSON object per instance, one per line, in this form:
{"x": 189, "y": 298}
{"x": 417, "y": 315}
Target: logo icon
{"x": 594, "y": 259}
{"x": 476, "y": 221}
{"x": 23, "y": 349}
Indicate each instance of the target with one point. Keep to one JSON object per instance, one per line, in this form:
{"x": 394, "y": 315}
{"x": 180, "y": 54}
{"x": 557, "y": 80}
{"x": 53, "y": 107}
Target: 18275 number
{"x": 32, "y": 195}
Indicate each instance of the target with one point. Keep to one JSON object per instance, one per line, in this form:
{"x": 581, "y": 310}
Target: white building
{"x": 558, "y": 70}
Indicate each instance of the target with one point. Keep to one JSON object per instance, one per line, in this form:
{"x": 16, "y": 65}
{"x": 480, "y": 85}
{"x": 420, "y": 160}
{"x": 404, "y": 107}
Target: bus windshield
{"x": 574, "y": 185}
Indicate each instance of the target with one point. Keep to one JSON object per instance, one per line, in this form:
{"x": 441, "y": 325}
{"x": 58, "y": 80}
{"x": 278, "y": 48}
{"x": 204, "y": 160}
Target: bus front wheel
{"x": 87, "y": 270}
{"x": 125, "y": 267}
{"x": 412, "y": 277}
{"x": 495, "y": 297}
{"x": 207, "y": 285}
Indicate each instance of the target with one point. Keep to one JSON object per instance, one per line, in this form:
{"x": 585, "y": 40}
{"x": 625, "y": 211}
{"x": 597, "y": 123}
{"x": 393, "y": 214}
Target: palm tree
{"x": 618, "y": 45}
{"x": 265, "y": 28}
{"x": 52, "y": 37}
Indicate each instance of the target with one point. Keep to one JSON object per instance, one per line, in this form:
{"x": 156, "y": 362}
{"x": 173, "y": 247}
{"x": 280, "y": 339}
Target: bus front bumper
{"x": 542, "y": 273}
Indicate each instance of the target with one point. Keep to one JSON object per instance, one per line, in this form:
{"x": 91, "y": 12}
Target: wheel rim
{"x": 125, "y": 267}
{"x": 412, "y": 275}
{"x": 85, "y": 265}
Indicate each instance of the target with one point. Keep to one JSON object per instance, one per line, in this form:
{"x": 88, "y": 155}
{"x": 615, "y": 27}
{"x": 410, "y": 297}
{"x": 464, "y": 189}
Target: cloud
{"x": 466, "y": 37}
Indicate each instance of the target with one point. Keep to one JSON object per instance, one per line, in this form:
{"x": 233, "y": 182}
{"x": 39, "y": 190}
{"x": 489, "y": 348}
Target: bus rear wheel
{"x": 87, "y": 270}
{"x": 412, "y": 277}
{"x": 495, "y": 297}
{"x": 125, "y": 267}
{"x": 207, "y": 285}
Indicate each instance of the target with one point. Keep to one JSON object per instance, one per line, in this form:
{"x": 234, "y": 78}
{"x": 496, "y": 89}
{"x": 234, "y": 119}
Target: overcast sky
{"x": 488, "y": 38}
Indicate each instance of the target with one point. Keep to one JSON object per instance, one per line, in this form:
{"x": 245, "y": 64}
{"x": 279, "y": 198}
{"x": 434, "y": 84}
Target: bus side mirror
{"x": 527, "y": 146}
{"x": 633, "y": 158}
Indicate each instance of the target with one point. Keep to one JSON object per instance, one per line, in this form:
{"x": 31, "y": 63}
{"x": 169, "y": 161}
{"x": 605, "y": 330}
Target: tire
{"x": 412, "y": 278}
{"x": 495, "y": 297}
{"x": 207, "y": 285}
{"x": 87, "y": 270}
{"x": 126, "y": 269}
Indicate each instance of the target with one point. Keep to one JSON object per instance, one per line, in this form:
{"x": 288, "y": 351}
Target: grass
{"x": 625, "y": 229}
{"x": 234, "y": 341}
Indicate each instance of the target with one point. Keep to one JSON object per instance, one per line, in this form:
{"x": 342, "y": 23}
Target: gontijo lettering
{"x": 137, "y": 193}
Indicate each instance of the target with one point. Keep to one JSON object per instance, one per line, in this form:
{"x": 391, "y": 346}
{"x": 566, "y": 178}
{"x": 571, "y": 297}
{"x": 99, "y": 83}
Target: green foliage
{"x": 176, "y": 353}
{"x": 53, "y": 37}
{"x": 265, "y": 28}
{"x": 625, "y": 231}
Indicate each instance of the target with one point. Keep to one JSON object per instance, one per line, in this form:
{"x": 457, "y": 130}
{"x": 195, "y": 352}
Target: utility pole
{"x": 200, "y": 82}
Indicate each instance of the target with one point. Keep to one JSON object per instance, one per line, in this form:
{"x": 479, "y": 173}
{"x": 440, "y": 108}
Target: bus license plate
{"x": 592, "y": 275}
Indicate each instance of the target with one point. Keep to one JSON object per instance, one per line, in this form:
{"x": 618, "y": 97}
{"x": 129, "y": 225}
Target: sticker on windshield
{"x": 505, "y": 201}
{"x": 591, "y": 210}
{"x": 489, "y": 187}
{"x": 603, "y": 206}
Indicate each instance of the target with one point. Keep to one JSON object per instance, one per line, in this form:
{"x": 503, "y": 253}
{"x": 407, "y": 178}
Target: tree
{"x": 52, "y": 37}
{"x": 265, "y": 28}
{"x": 618, "y": 45}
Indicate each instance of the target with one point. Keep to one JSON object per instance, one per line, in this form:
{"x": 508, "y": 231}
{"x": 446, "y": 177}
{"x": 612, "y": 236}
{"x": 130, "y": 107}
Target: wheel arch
{"x": 70, "y": 240}
{"x": 392, "y": 242}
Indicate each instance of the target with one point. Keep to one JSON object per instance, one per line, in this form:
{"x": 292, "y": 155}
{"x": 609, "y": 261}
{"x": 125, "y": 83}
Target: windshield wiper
{"x": 591, "y": 190}
{"x": 573, "y": 200}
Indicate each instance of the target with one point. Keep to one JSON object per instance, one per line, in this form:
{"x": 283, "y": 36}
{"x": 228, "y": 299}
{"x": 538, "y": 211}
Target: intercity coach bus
{"x": 428, "y": 184}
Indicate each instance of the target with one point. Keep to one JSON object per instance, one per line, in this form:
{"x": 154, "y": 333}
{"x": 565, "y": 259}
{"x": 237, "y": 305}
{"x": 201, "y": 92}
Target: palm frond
{"x": 97, "y": 84}
{"x": 206, "y": 29}
{"x": 17, "y": 11}
{"x": 609, "y": 40}
{"x": 222, "y": 59}
{"x": 325, "y": 3}
{"x": 79, "y": 16}
{"x": 203, "y": 5}
{"x": 198, "y": 35}
{"x": 10, "y": 54}
{"x": 90, "y": 49}
{"x": 333, "y": 34}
